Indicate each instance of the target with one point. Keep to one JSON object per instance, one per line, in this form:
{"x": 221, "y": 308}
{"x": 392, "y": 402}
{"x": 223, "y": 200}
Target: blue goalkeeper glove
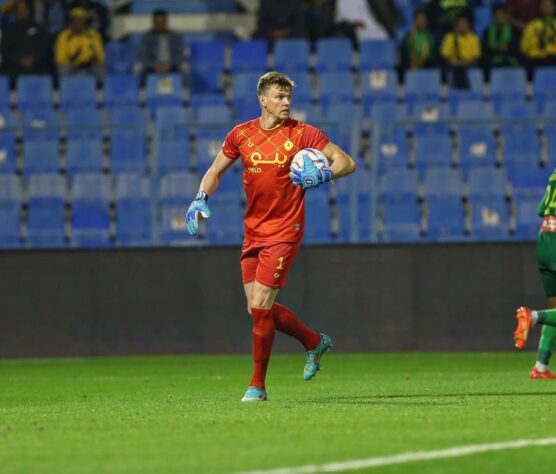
{"x": 310, "y": 176}
{"x": 197, "y": 206}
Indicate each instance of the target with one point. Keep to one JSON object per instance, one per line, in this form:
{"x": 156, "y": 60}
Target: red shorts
{"x": 267, "y": 262}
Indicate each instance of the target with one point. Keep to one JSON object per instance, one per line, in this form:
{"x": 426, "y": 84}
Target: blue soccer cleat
{"x": 313, "y": 357}
{"x": 255, "y": 394}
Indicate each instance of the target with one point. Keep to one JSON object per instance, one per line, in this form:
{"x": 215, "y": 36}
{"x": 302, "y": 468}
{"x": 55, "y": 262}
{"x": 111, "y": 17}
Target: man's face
{"x": 500, "y": 16}
{"x": 462, "y": 26}
{"x": 276, "y": 101}
{"x": 78, "y": 23}
{"x": 421, "y": 21}
{"x": 160, "y": 23}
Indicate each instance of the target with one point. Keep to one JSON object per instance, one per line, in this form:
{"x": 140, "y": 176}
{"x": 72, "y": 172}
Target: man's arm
{"x": 341, "y": 163}
{"x": 210, "y": 180}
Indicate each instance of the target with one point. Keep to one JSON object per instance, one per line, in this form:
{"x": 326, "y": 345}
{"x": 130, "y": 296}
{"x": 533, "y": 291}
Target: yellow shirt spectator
{"x": 539, "y": 38}
{"x": 464, "y": 48}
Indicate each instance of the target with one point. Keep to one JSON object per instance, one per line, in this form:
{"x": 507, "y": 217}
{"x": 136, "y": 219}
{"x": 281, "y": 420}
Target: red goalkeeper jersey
{"x": 275, "y": 207}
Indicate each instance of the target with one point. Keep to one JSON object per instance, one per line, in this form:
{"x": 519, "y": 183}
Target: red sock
{"x": 263, "y": 337}
{"x": 287, "y": 322}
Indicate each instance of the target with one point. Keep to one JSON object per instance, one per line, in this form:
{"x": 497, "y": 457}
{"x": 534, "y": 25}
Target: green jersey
{"x": 547, "y": 207}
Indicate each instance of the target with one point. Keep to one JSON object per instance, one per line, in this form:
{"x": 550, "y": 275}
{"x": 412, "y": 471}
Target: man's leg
{"x": 287, "y": 322}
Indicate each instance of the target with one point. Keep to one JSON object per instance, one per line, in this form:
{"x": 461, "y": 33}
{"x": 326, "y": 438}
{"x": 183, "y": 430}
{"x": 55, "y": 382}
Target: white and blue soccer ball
{"x": 317, "y": 157}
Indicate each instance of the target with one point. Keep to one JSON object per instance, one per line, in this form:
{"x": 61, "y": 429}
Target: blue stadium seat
{"x": 127, "y": 151}
{"x": 442, "y": 183}
{"x": 482, "y": 18}
{"x": 78, "y": 91}
{"x": 207, "y": 54}
{"x": 393, "y": 150}
{"x": 4, "y": 92}
{"x": 527, "y": 220}
{"x": 377, "y": 54}
{"x": 244, "y": 87}
{"x": 10, "y": 208}
{"x": 172, "y": 226}
{"x": 543, "y": 86}
{"x": 490, "y": 219}
{"x": 291, "y": 55}
{"x": 173, "y": 155}
{"x": 128, "y": 117}
{"x": 230, "y": 186}
{"x": 476, "y": 148}
{"x": 84, "y": 122}
{"x": 379, "y": 87}
{"x": 385, "y": 116}
{"x": 248, "y": 56}
{"x": 344, "y": 117}
{"x": 353, "y": 203}
{"x": 433, "y": 150}
{"x": 84, "y": 156}
{"x": 225, "y": 226}
{"x": 214, "y": 119}
{"x": 485, "y": 182}
{"x": 336, "y": 87}
{"x": 40, "y": 124}
{"x": 207, "y": 66}
{"x": 206, "y": 150}
{"x": 224, "y": 37}
{"x": 121, "y": 90}
{"x": 398, "y": 185}
{"x": 41, "y": 156}
{"x": 401, "y": 221}
{"x": 305, "y": 112}
{"x": 517, "y": 117}
{"x": 119, "y": 57}
{"x": 48, "y": 186}
{"x": 90, "y": 221}
{"x": 191, "y": 6}
{"x": 445, "y": 219}
{"x": 529, "y": 183}
{"x": 333, "y": 54}
{"x": 7, "y": 153}
{"x": 172, "y": 122}
{"x": 475, "y": 91}
{"x": 247, "y": 110}
{"x": 133, "y": 210}
{"x": 421, "y": 85}
{"x": 431, "y": 118}
{"x": 303, "y": 91}
{"x": 475, "y": 117}
{"x": 507, "y": 84}
{"x": 550, "y": 138}
{"x": 164, "y": 89}
{"x": 34, "y": 92}
{"x": 317, "y": 218}
{"x": 177, "y": 188}
{"x": 521, "y": 149}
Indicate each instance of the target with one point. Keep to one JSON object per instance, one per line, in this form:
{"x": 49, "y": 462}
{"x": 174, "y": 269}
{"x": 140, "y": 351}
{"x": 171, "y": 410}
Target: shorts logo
{"x": 276, "y": 275}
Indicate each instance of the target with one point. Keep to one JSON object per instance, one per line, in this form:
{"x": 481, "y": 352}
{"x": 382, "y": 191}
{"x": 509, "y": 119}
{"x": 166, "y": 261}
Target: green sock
{"x": 546, "y": 344}
{"x": 547, "y": 316}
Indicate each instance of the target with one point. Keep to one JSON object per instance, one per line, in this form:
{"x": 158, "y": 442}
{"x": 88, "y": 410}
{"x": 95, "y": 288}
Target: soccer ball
{"x": 317, "y": 157}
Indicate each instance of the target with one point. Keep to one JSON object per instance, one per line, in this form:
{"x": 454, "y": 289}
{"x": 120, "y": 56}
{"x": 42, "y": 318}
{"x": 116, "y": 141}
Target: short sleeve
{"x": 314, "y": 138}
{"x": 230, "y": 146}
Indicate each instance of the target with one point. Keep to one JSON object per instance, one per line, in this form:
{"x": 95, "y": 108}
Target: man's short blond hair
{"x": 274, "y": 78}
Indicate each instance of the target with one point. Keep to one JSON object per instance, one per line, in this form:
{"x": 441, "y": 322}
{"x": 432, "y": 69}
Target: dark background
{"x": 415, "y": 297}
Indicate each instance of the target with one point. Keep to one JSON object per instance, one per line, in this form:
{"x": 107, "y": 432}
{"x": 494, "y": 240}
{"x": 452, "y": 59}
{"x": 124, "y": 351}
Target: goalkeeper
{"x": 275, "y": 216}
{"x": 546, "y": 264}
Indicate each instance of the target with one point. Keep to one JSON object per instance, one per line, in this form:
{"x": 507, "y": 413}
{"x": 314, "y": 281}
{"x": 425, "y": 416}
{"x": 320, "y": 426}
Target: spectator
{"x": 418, "y": 46}
{"x": 79, "y": 49}
{"x": 26, "y": 47}
{"x": 53, "y": 16}
{"x": 538, "y": 43}
{"x": 319, "y": 18}
{"x": 161, "y": 50}
{"x": 97, "y": 15}
{"x": 460, "y": 50}
{"x": 522, "y": 12}
{"x": 443, "y": 15}
{"x": 280, "y": 20}
{"x": 500, "y": 41}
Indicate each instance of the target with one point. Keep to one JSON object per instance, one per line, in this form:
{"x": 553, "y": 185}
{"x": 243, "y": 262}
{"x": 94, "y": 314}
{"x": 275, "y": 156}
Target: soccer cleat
{"x": 524, "y": 324}
{"x": 537, "y": 374}
{"x": 255, "y": 394}
{"x": 313, "y": 356}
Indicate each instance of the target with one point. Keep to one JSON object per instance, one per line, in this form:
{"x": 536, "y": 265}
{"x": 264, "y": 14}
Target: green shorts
{"x": 546, "y": 261}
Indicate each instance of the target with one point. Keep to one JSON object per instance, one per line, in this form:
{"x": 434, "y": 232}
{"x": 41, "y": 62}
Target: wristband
{"x": 201, "y": 195}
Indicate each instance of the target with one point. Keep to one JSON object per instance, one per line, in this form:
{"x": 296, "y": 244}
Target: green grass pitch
{"x": 182, "y": 414}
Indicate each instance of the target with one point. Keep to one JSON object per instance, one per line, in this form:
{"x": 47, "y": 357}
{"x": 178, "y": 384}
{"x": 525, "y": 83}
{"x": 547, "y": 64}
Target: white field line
{"x": 403, "y": 458}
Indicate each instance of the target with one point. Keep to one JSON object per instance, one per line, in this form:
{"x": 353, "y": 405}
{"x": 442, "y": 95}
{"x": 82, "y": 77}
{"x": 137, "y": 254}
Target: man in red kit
{"x": 275, "y": 216}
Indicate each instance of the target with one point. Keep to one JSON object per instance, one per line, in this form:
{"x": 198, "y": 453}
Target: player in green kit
{"x": 546, "y": 263}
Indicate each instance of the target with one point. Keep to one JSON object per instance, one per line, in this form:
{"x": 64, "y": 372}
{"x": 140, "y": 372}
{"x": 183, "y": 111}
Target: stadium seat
{"x": 78, "y": 91}
{"x": 353, "y": 201}
{"x": 34, "y": 91}
{"x": 431, "y": 118}
{"x": 376, "y": 55}
{"x": 484, "y": 182}
{"x": 7, "y": 153}
{"x": 341, "y": 121}
{"x": 172, "y": 122}
{"x": 127, "y": 151}
{"x": 207, "y": 67}
{"x": 84, "y": 156}
{"x": 333, "y": 54}
{"x": 247, "y": 110}
{"x": 379, "y": 86}
{"x": 476, "y": 148}
{"x": 248, "y": 56}
{"x": 305, "y": 112}
{"x": 507, "y": 84}
{"x": 543, "y": 86}
{"x": 475, "y": 91}
{"x": 303, "y": 91}
{"x": 214, "y": 119}
{"x": 398, "y": 185}
{"x": 4, "y": 92}
{"x": 177, "y": 188}
{"x": 189, "y": 7}
{"x": 317, "y": 218}
{"x": 224, "y": 37}
{"x": 244, "y": 87}
{"x": 10, "y": 208}
{"x": 490, "y": 219}
{"x": 164, "y": 89}
{"x": 206, "y": 150}
{"x": 173, "y": 155}
{"x": 225, "y": 226}
{"x": 133, "y": 210}
{"x": 521, "y": 149}
{"x": 119, "y": 57}
{"x": 84, "y": 123}
{"x": 121, "y": 90}
{"x": 433, "y": 150}
{"x": 483, "y": 18}
{"x": 475, "y": 117}
{"x": 41, "y": 156}
{"x": 529, "y": 182}
{"x": 549, "y": 118}
{"x": 128, "y": 117}
{"x": 401, "y": 222}
{"x": 172, "y": 226}
{"x": 445, "y": 219}
{"x": 550, "y": 139}
{"x": 443, "y": 183}
{"x": 392, "y": 150}
{"x": 40, "y": 124}
{"x": 422, "y": 85}
{"x": 527, "y": 220}
{"x": 336, "y": 87}
{"x": 291, "y": 55}
{"x": 517, "y": 117}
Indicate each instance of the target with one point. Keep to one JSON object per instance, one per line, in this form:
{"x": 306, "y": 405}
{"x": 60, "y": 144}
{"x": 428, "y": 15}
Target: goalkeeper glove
{"x": 310, "y": 176}
{"x": 197, "y": 206}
